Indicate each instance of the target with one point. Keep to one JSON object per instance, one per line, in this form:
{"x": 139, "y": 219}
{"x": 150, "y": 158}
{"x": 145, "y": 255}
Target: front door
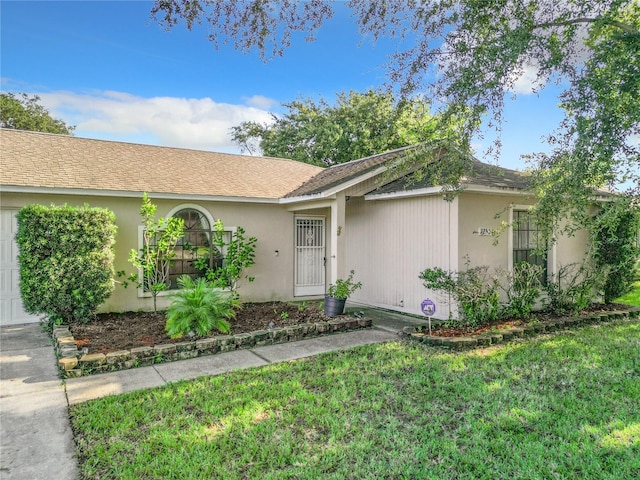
{"x": 309, "y": 256}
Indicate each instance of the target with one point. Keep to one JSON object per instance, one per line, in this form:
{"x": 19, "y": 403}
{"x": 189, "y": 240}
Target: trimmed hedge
{"x": 66, "y": 260}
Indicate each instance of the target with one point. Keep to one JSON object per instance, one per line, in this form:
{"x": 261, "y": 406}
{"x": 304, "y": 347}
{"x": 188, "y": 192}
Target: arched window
{"x": 195, "y": 252}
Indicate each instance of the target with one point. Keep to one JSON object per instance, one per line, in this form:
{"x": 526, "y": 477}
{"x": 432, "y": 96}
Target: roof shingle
{"x": 33, "y": 159}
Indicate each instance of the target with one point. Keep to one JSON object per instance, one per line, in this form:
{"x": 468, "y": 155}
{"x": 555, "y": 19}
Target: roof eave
{"x": 421, "y": 192}
{"x": 132, "y": 194}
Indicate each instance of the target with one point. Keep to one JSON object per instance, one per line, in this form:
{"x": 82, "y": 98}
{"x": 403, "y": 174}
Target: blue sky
{"x": 116, "y": 74}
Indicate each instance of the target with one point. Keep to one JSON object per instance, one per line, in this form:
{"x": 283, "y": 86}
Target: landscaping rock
{"x": 165, "y": 349}
{"x": 67, "y": 364}
{"x": 262, "y": 337}
{"x": 115, "y": 358}
{"x": 279, "y": 335}
{"x": 185, "y": 346}
{"x": 141, "y": 352}
{"x": 244, "y": 340}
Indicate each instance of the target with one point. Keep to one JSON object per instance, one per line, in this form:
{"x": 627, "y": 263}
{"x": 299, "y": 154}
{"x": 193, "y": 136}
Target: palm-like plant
{"x": 200, "y": 308}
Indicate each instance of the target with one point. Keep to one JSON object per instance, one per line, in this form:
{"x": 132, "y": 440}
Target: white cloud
{"x": 261, "y": 102}
{"x": 527, "y": 81}
{"x": 199, "y": 123}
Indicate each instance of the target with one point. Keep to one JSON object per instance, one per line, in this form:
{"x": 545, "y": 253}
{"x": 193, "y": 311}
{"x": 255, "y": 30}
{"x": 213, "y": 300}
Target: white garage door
{"x": 11, "y": 311}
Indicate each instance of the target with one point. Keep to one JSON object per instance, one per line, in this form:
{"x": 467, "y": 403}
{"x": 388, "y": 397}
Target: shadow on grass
{"x": 562, "y": 405}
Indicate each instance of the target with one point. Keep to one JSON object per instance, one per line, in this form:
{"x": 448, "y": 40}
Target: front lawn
{"x": 633, "y": 297}
{"x": 558, "y": 406}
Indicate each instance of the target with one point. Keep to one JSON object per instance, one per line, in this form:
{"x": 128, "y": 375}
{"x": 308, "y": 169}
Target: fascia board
{"x": 297, "y": 207}
{"x": 437, "y": 190}
{"x": 129, "y": 194}
{"x": 302, "y": 198}
{"x": 419, "y": 192}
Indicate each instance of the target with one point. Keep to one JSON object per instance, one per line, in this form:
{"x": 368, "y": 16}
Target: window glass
{"x": 194, "y": 251}
{"x": 526, "y": 246}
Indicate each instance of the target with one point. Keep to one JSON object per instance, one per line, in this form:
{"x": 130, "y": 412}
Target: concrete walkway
{"x": 35, "y": 436}
{"x": 36, "y": 441}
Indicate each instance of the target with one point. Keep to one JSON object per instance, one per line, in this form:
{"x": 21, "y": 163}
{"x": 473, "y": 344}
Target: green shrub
{"x": 574, "y": 288}
{"x": 614, "y": 234}
{"x": 523, "y": 289}
{"x": 475, "y": 294}
{"x": 66, "y": 260}
{"x": 199, "y": 307}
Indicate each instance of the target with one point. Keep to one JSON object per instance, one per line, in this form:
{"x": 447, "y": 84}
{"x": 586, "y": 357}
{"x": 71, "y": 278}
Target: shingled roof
{"x": 33, "y": 159}
{"x": 481, "y": 174}
{"x": 339, "y": 174}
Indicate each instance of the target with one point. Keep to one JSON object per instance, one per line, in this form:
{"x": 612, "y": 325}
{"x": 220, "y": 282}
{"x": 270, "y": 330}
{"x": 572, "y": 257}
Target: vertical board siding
{"x": 388, "y": 244}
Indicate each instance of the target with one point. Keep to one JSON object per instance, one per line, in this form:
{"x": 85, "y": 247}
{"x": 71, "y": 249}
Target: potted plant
{"x": 338, "y": 293}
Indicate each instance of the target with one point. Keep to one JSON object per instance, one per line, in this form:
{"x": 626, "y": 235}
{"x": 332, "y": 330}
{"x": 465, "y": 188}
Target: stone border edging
{"x": 507, "y": 334}
{"x": 76, "y": 363}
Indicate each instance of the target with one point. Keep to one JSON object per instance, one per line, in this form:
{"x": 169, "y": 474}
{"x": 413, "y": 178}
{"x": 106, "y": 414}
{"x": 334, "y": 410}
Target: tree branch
{"x": 625, "y": 27}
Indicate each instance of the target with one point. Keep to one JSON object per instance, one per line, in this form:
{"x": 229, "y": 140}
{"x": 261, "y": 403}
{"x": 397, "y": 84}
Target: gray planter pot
{"x": 334, "y": 306}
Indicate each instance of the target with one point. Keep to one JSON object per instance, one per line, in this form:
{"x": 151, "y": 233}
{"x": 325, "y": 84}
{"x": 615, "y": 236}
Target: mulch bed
{"x": 446, "y": 331}
{"x": 110, "y": 332}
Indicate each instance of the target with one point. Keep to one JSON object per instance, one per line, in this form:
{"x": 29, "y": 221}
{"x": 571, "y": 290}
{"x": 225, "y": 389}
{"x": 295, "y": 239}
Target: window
{"x": 195, "y": 251}
{"x": 526, "y": 243}
{"x": 200, "y": 248}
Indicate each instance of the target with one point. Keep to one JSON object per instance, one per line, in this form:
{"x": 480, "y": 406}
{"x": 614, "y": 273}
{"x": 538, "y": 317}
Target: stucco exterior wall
{"x": 270, "y": 223}
{"x": 388, "y": 244}
{"x": 482, "y": 211}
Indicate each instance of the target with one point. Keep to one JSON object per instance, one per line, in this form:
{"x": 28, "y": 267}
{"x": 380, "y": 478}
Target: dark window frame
{"x": 526, "y": 247}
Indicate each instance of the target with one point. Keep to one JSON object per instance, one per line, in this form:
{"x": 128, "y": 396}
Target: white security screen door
{"x": 310, "y": 256}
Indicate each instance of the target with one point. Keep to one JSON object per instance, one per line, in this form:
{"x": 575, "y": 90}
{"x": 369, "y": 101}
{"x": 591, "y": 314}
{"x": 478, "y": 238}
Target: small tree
{"x": 159, "y": 240}
{"x": 240, "y": 255}
{"x": 66, "y": 260}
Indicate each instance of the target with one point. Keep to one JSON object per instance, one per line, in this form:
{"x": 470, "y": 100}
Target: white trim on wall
{"x": 129, "y": 194}
{"x": 193, "y": 206}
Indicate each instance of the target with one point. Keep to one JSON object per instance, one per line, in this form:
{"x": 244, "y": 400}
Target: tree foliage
{"x": 469, "y": 55}
{"x": 240, "y": 254}
{"x": 159, "y": 240}
{"x": 356, "y": 126}
{"x": 22, "y": 112}
{"x": 615, "y": 235}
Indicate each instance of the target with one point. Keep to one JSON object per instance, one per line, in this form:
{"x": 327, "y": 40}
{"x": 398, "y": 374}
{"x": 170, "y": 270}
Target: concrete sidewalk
{"x": 36, "y": 441}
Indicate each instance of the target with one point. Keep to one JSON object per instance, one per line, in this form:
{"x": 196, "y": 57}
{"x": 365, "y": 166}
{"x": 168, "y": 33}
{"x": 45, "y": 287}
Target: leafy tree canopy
{"x": 22, "y": 112}
{"x": 468, "y": 56}
{"x": 356, "y": 126}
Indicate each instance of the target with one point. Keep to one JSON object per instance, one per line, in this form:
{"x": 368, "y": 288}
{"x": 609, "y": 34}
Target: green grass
{"x": 561, "y": 406}
{"x": 633, "y": 297}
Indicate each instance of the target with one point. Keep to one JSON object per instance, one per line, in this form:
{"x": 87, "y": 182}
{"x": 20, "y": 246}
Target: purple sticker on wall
{"x": 428, "y": 307}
